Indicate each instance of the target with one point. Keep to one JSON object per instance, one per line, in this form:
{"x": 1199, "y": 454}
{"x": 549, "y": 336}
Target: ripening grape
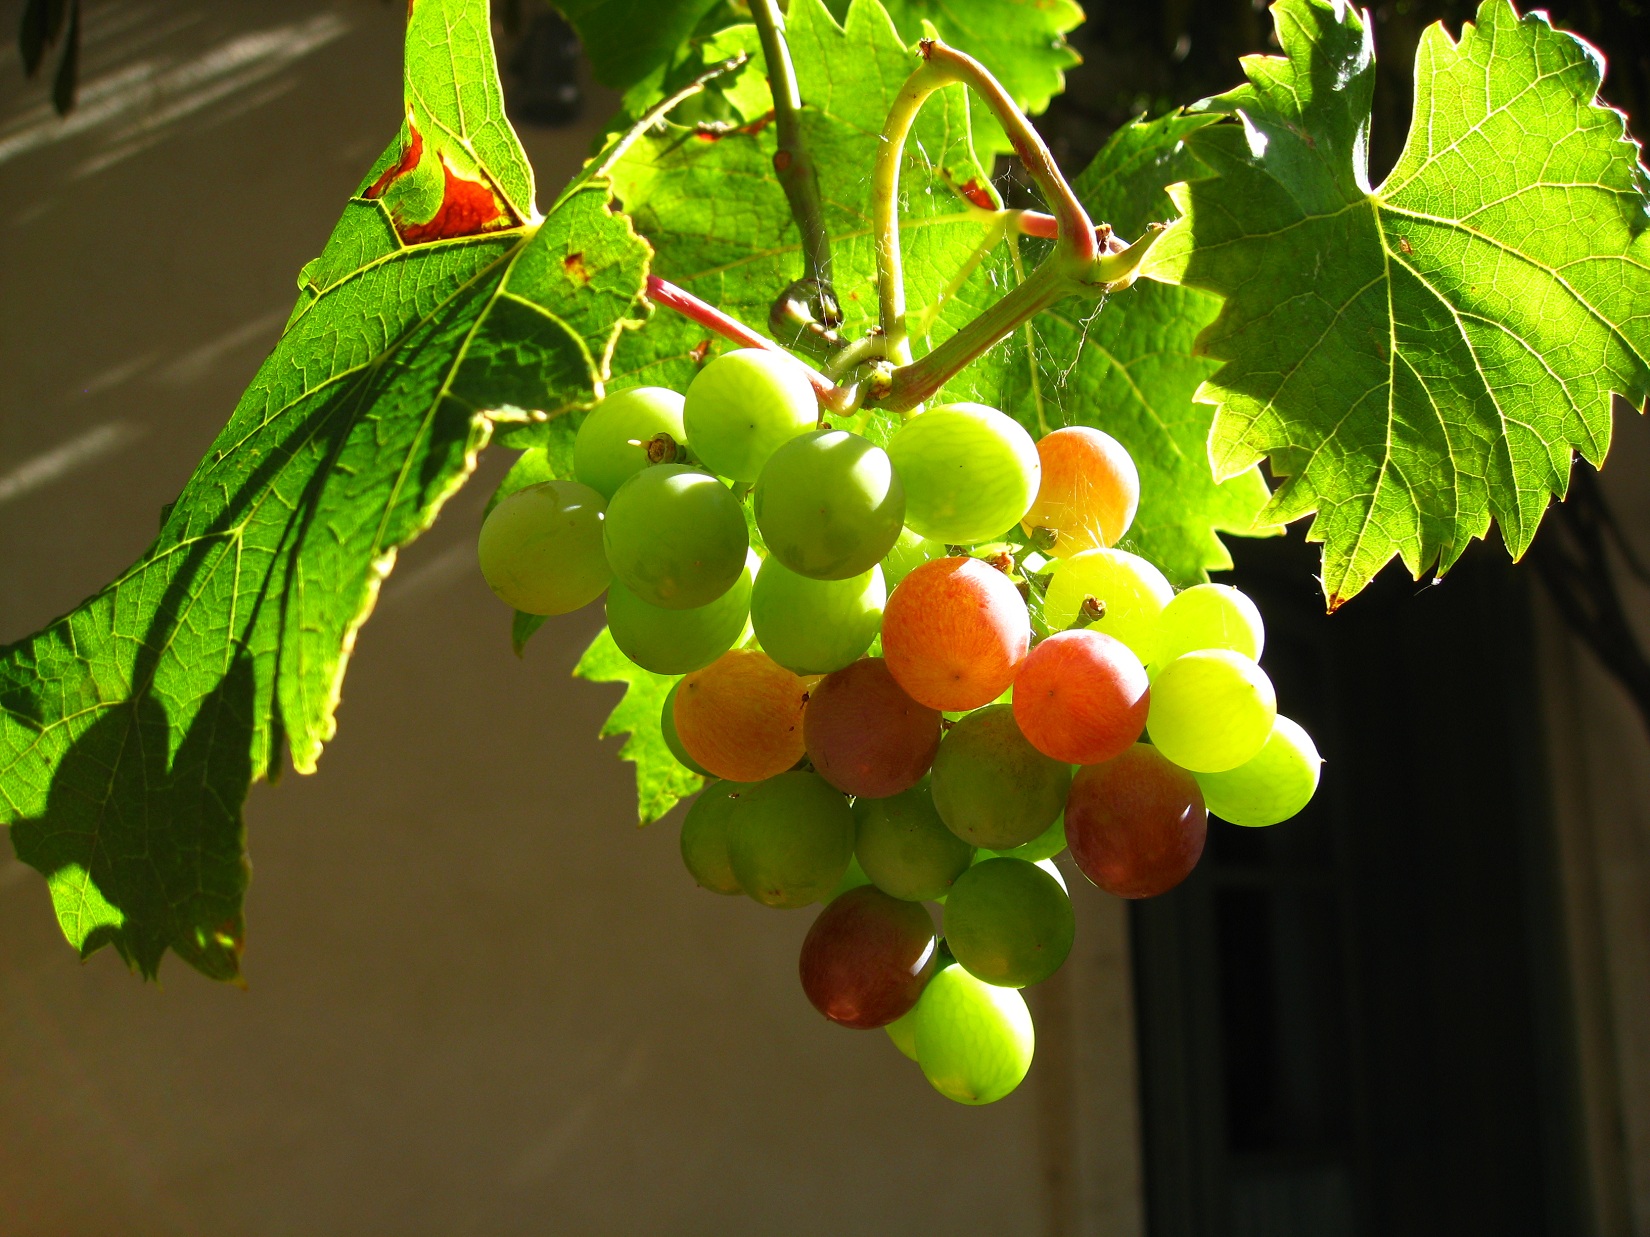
{"x": 903, "y": 1031}
{"x": 744, "y": 406}
{"x": 1270, "y": 786}
{"x": 991, "y": 787}
{"x": 541, "y": 548}
{"x": 905, "y": 848}
{"x": 867, "y": 958}
{"x": 1047, "y": 844}
{"x": 1081, "y": 697}
{"x": 970, "y": 472}
{"x": 1132, "y": 592}
{"x": 865, "y": 735}
{"x": 667, "y": 724}
{"x": 1009, "y": 922}
{"x": 705, "y": 837}
{"x": 1209, "y": 616}
{"x": 741, "y": 716}
{"x": 910, "y": 552}
{"x": 677, "y": 641}
{"x": 829, "y": 505}
{"x": 1136, "y": 824}
{"x": 1089, "y": 491}
{"x": 675, "y": 536}
{"x": 615, "y": 441}
{"x": 790, "y": 839}
{"x": 973, "y": 1040}
{"x": 955, "y": 632}
{"x": 1211, "y": 710}
{"x": 815, "y": 626}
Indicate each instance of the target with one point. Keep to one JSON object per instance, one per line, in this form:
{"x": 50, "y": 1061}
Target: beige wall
{"x": 479, "y": 1000}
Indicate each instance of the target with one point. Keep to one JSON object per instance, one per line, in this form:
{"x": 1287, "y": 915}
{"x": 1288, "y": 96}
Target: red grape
{"x": 1136, "y": 824}
{"x": 865, "y": 735}
{"x": 954, "y": 632}
{"x": 867, "y": 958}
{"x": 1081, "y": 697}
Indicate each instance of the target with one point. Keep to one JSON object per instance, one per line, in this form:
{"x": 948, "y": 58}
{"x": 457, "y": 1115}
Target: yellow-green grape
{"x": 744, "y": 406}
{"x": 829, "y": 505}
{"x": 1047, "y": 844}
{"x": 1270, "y": 786}
{"x": 1210, "y": 710}
{"x": 615, "y": 441}
{"x": 974, "y": 1040}
{"x": 541, "y": 548}
{"x": 675, "y": 536}
{"x": 1132, "y": 593}
{"x": 815, "y": 626}
{"x": 970, "y": 472}
{"x": 903, "y": 1031}
{"x": 705, "y": 837}
{"x": 911, "y": 551}
{"x": 1209, "y": 616}
{"x": 680, "y": 641}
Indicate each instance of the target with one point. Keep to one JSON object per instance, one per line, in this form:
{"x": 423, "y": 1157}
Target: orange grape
{"x": 1089, "y": 492}
{"x": 1081, "y": 697}
{"x": 741, "y": 716}
{"x": 954, "y": 633}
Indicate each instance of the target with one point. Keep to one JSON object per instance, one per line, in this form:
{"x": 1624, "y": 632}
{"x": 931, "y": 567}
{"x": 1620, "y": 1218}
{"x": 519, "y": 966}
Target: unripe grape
{"x": 853, "y": 878}
{"x": 790, "y": 839}
{"x": 616, "y": 440}
{"x": 970, "y": 472}
{"x": 829, "y": 505}
{"x": 1130, "y": 590}
{"x": 1081, "y": 697}
{"x": 991, "y": 787}
{"x": 903, "y": 1031}
{"x": 675, "y": 536}
{"x": 867, "y": 958}
{"x": 865, "y": 735}
{"x": 954, "y": 633}
{"x": 974, "y": 1040}
{"x": 677, "y": 641}
{"x": 705, "y": 837}
{"x": 745, "y": 405}
{"x": 1272, "y": 785}
{"x": 1211, "y": 710}
{"x": 815, "y": 626}
{"x": 910, "y": 552}
{"x": 1009, "y": 922}
{"x": 1209, "y": 616}
{"x": 741, "y": 716}
{"x": 667, "y": 726}
{"x": 905, "y": 848}
{"x": 541, "y": 548}
{"x": 1046, "y": 845}
{"x": 1089, "y": 491}
{"x": 1136, "y": 824}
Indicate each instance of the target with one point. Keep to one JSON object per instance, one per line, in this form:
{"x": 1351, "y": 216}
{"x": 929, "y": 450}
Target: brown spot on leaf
{"x": 1403, "y": 243}
{"x": 468, "y": 208}
{"x": 409, "y": 160}
{"x": 573, "y": 264}
{"x": 977, "y": 193}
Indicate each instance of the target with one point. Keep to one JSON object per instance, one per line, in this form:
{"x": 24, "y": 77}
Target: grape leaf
{"x": 131, "y": 729}
{"x": 661, "y": 779}
{"x": 1417, "y": 359}
{"x": 1127, "y": 366}
{"x": 628, "y": 39}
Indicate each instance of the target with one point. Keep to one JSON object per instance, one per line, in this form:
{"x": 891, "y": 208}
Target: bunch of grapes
{"x": 932, "y": 674}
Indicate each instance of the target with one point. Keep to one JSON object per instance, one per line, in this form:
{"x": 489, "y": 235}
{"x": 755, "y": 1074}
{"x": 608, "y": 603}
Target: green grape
{"x": 905, "y": 848}
{"x": 1210, "y": 710}
{"x": 613, "y": 444}
{"x": 1009, "y": 922}
{"x": 974, "y": 1040}
{"x": 667, "y": 724}
{"x": 1270, "y": 786}
{"x": 1132, "y": 591}
{"x": 744, "y": 406}
{"x": 903, "y": 1031}
{"x": 970, "y": 472}
{"x": 541, "y": 548}
{"x": 992, "y": 788}
{"x": 1209, "y": 616}
{"x": 790, "y": 839}
{"x": 829, "y": 505}
{"x": 853, "y": 878}
{"x": 705, "y": 837}
{"x": 815, "y": 626}
{"x": 911, "y": 551}
{"x": 1047, "y": 844}
{"x": 675, "y": 537}
{"x": 680, "y": 641}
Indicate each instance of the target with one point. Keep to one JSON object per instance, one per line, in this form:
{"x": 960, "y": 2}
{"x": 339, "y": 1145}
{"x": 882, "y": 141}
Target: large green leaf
{"x": 1420, "y": 358}
{"x": 132, "y": 728}
{"x": 628, "y": 39}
